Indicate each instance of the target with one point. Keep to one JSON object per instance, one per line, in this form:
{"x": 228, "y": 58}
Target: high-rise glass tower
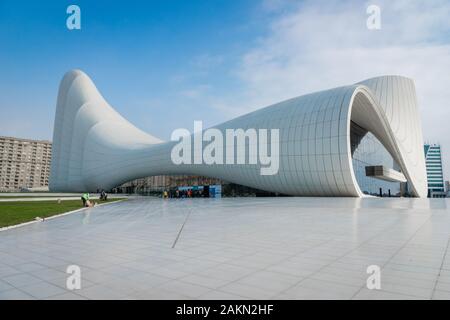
{"x": 435, "y": 176}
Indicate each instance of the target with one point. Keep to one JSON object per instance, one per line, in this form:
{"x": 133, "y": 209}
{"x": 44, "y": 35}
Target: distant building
{"x": 435, "y": 176}
{"x": 24, "y": 163}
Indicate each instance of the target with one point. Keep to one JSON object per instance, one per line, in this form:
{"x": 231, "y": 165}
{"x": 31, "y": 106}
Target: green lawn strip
{"x": 31, "y": 197}
{"x": 36, "y": 197}
{"x": 16, "y": 212}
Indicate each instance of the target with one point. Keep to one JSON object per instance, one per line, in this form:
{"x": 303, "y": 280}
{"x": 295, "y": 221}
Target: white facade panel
{"x": 94, "y": 147}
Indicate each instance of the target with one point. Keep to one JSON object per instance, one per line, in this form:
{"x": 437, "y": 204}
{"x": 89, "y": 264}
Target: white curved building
{"x": 326, "y": 140}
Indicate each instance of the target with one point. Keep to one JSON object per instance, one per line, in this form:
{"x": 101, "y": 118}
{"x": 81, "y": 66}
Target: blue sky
{"x": 146, "y": 57}
{"x": 213, "y": 60}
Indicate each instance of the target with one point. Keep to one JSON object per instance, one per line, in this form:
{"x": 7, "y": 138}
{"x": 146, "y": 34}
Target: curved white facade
{"x": 95, "y": 147}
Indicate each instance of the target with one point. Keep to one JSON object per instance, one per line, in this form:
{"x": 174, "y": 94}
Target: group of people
{"x": 189, "y": 193}
{"x": 85, "y": 198}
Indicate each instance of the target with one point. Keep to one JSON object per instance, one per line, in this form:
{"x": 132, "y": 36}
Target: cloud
{"x": 206, "y": 61}
{"x": 196, "y": 92}
{"x": 322, "y": 44}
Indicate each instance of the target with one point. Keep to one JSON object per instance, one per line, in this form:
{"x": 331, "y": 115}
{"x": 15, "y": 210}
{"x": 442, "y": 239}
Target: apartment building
{"x": 24, "y": 163}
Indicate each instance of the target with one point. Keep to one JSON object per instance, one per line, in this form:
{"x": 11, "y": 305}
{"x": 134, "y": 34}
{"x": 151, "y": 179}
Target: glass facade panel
{"x": 367, "y": 150}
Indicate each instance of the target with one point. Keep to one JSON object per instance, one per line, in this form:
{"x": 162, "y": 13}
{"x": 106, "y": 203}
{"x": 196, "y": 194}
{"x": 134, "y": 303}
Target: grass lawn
{"x": 31, "y": 197}
{"x": 15, "y": 212}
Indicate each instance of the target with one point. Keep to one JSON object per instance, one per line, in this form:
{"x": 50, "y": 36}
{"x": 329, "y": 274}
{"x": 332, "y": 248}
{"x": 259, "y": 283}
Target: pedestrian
{"x": 85, "y": 199}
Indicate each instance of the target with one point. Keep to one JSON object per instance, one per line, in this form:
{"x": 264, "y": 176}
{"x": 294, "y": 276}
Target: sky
{"x": 164, "y": 64}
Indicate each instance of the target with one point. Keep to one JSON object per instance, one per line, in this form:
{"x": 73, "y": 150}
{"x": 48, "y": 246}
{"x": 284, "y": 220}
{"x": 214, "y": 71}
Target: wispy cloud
{"x": 207, "y": 61}
{"x": 196, "y": 92}
{"x": 320, "y": 44}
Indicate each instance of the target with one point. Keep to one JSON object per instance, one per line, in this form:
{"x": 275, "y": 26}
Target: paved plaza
{"x": 234, "y": 248}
